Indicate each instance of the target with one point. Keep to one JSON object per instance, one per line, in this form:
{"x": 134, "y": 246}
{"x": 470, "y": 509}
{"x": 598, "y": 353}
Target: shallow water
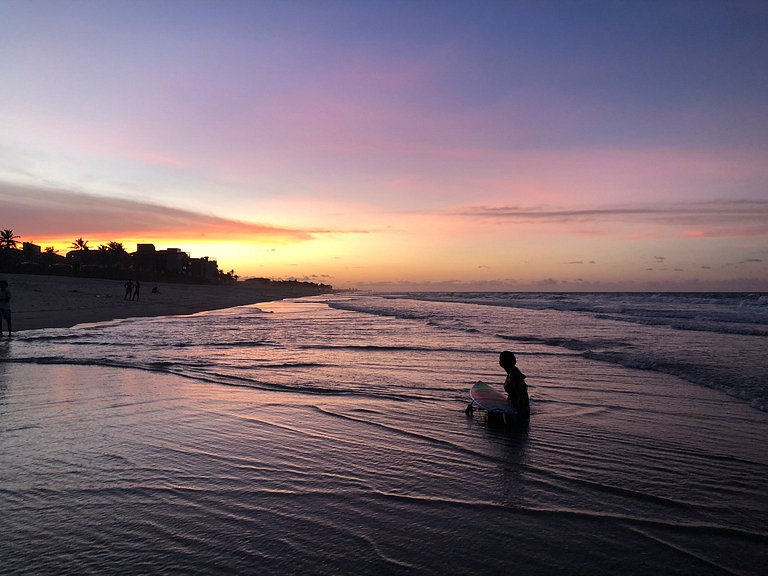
{"x": 716, "y": 340}
{"x": 295, "y": 437}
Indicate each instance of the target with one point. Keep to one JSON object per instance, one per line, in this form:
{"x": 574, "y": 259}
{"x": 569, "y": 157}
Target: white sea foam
{"x": 714, "y": 340}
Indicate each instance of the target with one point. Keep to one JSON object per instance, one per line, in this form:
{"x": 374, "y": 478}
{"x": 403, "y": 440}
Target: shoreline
{"x": 62, "y": 302}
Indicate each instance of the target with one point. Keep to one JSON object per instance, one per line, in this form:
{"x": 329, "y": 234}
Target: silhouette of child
{"x": 5, "y": 306}
{"x": 514, "y": 385}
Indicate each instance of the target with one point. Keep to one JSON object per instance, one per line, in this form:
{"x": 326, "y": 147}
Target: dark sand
{"x": 60, "y": 302}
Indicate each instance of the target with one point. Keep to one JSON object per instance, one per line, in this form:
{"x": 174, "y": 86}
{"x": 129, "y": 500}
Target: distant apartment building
{"x": 173, "y": 263}
{"x": 147, "y": 262}
{"x": 31, "y": 251}
{"x": 204, "y": 268}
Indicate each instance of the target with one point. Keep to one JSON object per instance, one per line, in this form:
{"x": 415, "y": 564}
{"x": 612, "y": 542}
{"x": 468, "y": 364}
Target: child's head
{"x": 3, "y": 284}
{"x": 507, "y": 360}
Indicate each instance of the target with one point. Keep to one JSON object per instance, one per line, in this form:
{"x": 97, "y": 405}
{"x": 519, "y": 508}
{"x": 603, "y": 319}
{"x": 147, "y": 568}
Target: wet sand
{"x": 298, "y": 438}
{"x": 61, "y": 302}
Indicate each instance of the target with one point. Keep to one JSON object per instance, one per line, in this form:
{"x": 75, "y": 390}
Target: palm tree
{"x": 113, "y": 254}
{"x": 50, "y": 256}
{"x": 80, "y": 244}
{"x": 116, "y": 247}
{"x": 228, "y": 276}
{"x": 8, "y": 239}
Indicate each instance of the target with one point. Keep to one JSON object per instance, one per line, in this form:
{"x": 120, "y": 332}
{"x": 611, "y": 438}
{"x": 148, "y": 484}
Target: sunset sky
{"x": 511, "y": 145}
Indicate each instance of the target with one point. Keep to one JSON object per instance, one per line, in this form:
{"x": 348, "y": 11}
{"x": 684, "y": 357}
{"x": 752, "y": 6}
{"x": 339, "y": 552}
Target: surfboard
{"x": 488, "y": 398}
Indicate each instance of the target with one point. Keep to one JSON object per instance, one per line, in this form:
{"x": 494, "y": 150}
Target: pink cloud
{"x": 728, "y": 232}
{"x": 33, "y": 211}
{"x": 721, "y": 218}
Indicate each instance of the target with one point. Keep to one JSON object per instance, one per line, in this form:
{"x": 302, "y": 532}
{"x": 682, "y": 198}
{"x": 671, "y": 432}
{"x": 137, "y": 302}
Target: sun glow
{"x": 396, "y": 153}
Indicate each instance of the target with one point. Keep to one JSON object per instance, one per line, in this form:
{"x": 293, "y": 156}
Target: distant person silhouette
{"x": 128, "y": 290}
{"x": 136, "y": 289}
{"x": 514, "y": 385}
{"x": 5, "y": 306}
{"x": 155, "y": 290}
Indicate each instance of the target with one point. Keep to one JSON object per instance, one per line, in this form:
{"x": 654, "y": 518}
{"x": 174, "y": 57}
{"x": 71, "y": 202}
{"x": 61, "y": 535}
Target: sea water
{"x": 719, "y": 340}
{"x": 328, "y": 436}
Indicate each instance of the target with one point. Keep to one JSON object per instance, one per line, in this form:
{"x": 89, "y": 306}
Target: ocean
{"x": 327, "y": 435}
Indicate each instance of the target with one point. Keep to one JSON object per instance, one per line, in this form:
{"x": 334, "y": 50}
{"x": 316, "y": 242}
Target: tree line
{"x": 10, "y": 241}
{"x": 112, "y": 260}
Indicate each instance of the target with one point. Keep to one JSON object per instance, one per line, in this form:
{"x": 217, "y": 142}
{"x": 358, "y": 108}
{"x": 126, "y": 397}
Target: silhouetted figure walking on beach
{"x": 136, "y": 289}
{"x": 5, "y": 306}
{"x": 514, "y": 385}
{"x": 128, "y": 290}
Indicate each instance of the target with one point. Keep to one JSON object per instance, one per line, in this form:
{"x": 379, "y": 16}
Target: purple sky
{"x": 500, "y": 145}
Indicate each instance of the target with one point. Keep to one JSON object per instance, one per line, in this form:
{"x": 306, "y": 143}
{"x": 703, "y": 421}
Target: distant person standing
{"x": 128, "y": 290}
{"x": 136, "y": 288}
{"x": 5, "y": 306}
{"x": 514, "y": 385}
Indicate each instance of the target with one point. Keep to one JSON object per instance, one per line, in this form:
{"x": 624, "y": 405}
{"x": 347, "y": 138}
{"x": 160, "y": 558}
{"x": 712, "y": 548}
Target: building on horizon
{"x": 173, "y": 263}
{"x": 108, "y": 261}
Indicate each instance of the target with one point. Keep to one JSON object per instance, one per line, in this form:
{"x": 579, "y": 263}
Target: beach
{"x": 327, "y": 435}
{"x": 61, "y": 301}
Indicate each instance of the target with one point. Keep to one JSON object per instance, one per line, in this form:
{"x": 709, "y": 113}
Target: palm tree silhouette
{"x": 80, "y": 244}
{"x": 112, "y": 254}
{"x": 116, "y": 247}
{"x": 8, "y": 239}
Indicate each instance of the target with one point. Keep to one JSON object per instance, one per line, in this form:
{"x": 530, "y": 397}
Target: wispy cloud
{"x": 735, "y": 284}
{"x": 715, "y": 218}
{"x": 47, "y": 212}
